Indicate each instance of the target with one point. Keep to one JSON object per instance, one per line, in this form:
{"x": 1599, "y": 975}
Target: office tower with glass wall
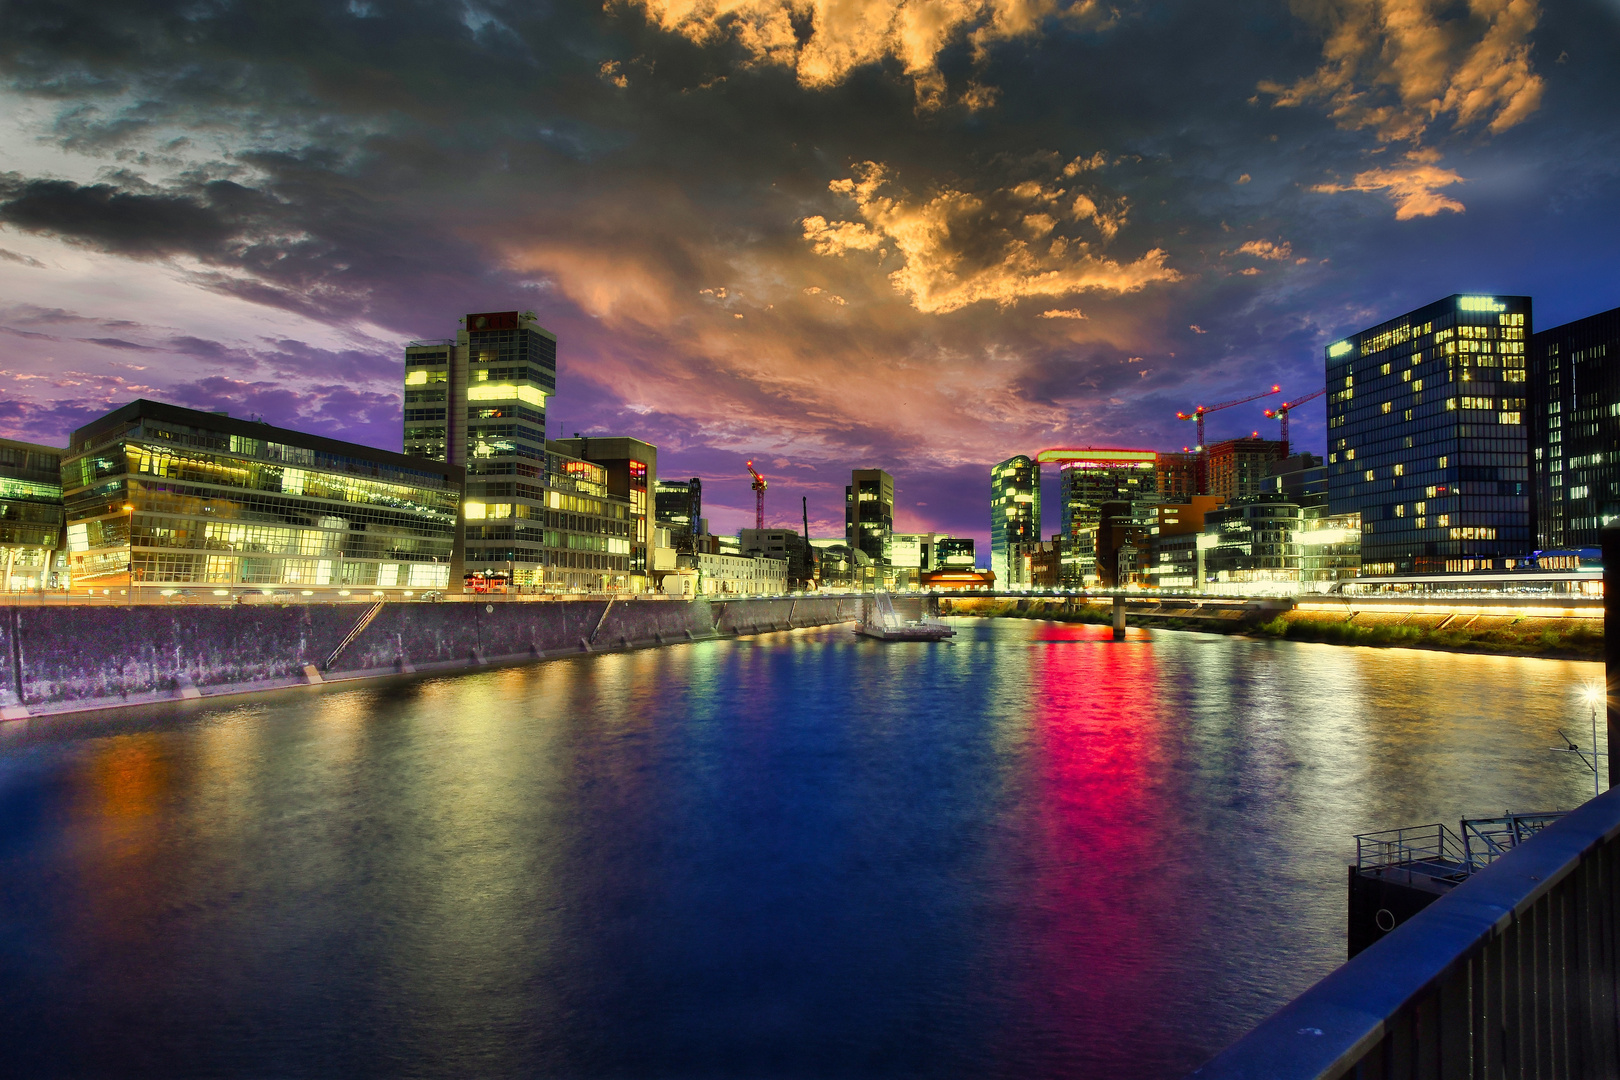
{"x": 1575, "y": 430}
{"x": 30, "y": 516}
{"x": 1088, "y": 479}
{"x": 538, "y": 517}
{"x": 1237, "y": 468}
{"x": 1015, "y": 520}
{"x": 1427, "y": 437}
{"x": 679, "y": 504}
{"x": 869, "y": 519}
{"x": 159, "y": 497}
{"x": 632, "y": 475}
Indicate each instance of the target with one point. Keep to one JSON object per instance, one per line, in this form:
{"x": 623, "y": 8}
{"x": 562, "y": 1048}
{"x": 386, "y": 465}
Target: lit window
{"x": 1387, "y": 406}
{"x": 1441, "y": 461}
{"x": 1399, "y": 470}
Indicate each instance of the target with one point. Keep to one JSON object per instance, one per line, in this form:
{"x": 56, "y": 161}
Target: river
{"x": 1029, "y": 852}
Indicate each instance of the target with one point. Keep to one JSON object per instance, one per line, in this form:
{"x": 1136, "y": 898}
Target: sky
{"x": 923, "y": 236}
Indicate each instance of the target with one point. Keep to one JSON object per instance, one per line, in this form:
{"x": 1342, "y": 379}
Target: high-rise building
{"x": 869, "y": 518}
{"x": 679, "y": 503}
{"x": 30, "y": 515}
{"x": 1177, "y": 475}
{"x": 1575, "y": 430}
{"x": 160, "y": 497}
{"x": 1237, "y": 468}
{"x": 632, "y": 474}
{"x": 538, "y": 517}
{"x": 1088, "y": 479}
{"x": 1015, "y": 520}
{"x": 1427, "y": 438}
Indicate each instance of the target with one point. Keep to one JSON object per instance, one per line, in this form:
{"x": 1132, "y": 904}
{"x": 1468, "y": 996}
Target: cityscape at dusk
{"x": 726, "y": 539}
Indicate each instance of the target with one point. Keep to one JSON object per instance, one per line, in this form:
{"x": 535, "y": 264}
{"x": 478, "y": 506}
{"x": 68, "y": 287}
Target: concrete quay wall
{"x": 72, "y": 658}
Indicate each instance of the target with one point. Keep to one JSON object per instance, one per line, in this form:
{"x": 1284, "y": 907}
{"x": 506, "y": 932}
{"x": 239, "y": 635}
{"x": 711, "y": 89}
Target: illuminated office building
{"x": 1575, "y": 430}
{"x": 1088, "y": 479}
{"x": 679, "y": 504}
{"x": 1015, "y": 520}
{"x": 869, "y": 519}
{"x": 538, "y": 516}
{"x": 160, "y": 497}
{"x": 632, "y": 475}
{"x": 1427, "y": 436}
{"x": 30, "y": 515}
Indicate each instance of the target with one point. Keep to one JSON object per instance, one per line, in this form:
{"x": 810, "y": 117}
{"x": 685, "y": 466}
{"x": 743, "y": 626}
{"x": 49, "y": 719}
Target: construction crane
{"x": 759, "y": 497}
{"x": 1281, "y": 413}
{"x": 1199, "y": 413}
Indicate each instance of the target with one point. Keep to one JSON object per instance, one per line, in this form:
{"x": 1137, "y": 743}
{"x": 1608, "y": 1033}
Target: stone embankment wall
{"x": 67, "y": 658}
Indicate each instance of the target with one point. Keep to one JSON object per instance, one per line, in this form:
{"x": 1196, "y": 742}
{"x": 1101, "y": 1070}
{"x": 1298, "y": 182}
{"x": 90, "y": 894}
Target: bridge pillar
{"x": 1119, "y": 618}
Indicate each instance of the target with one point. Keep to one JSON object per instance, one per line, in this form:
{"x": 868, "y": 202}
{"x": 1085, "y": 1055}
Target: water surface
{"x": 1029, "y": 852}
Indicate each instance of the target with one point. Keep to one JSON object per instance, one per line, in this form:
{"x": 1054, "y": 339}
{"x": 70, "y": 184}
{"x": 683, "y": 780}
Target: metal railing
{"x": 1403, "y": 847}
{"x": 1510, "y": 974}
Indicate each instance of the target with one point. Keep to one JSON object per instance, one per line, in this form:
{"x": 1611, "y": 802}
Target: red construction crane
{"x": 759, "y": 497}
{"x": 1199, "y": 413}
{"x": 1281, "y": 413}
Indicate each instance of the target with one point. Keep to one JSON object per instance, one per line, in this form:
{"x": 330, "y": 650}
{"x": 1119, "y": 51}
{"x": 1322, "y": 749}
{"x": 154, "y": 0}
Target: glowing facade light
{"x": 1339, "y": 348}
{"x": 1480, "y": 303}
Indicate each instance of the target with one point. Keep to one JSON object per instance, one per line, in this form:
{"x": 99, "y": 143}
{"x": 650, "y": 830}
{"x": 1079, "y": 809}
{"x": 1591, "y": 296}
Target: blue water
{"x": 1029, "y": 852}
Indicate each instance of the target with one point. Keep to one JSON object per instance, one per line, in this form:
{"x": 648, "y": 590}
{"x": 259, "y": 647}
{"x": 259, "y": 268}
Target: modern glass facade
{"x": 30, "y": 516}
{"x": 537, "y": 516}
{"x": 1427, "y": 436}
{"x": 1088, "y": 479}
{"x": 869, "y": 518}
{"x": 158, "y": 496}
{"x": 679, "y": 504}
{"x": 1254, "y": 540}
{"x": 1575, "y": 430}
{"x": 631, "y": 468}
{"x": 1015, "y": 520}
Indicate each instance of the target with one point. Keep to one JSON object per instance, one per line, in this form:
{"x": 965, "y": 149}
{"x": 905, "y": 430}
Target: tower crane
{"x": 759, "y": 497}
{"x": 1281, "y": 413}
{"x": 1201, "y": 411}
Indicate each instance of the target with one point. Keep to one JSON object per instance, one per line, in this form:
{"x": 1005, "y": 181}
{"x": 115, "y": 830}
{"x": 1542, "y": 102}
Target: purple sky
{"x": 923, "y": 236}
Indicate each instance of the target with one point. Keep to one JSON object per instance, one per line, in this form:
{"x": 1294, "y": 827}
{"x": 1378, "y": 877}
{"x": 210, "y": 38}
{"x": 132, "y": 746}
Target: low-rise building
{"x": 1329, "y": 548}
{"x": 1177, "y": 561}
{"x": 159, "y": 497}
{"x": 741, "y": 575}
{"x": 1254, "y": 543}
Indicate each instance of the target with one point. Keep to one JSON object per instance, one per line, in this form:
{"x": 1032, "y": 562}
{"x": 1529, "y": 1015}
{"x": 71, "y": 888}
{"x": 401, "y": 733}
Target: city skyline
{"x": 824, "y": 254}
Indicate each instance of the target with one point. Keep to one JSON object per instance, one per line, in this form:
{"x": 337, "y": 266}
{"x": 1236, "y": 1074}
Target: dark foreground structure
{"x": 1510, "y": 974}
{"x": 1515, "y": 972}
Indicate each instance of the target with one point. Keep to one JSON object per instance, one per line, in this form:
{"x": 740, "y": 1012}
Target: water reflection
{"x": 1030, "y": 852}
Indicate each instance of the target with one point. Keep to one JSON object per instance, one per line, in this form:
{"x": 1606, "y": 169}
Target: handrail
{"x": 1513, "y": 972}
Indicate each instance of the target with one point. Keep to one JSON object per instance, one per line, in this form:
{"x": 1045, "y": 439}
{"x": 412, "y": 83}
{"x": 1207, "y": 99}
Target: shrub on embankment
{"x": 1574, "y": 639}
{"x": 1579, "y": 639}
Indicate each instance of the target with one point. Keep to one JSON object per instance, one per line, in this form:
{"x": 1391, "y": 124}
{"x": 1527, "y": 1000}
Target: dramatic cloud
{"x": 1414, "y": 186}
{"x": 822, "y": 41}
{"x": 1396, "y": 66}
{"x": 956, "y": 248}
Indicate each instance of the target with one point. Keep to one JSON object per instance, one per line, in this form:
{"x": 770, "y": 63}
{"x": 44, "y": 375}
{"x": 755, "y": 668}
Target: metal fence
{"x": 1511, "y": 974}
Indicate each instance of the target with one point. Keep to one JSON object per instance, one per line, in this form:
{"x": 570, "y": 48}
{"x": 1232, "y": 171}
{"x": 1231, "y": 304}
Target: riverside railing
{"x": 1511, "y": 974}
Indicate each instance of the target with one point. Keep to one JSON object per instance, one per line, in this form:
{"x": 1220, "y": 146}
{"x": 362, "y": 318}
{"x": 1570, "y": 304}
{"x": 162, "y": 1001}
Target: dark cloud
{"x": 646, "y": 191}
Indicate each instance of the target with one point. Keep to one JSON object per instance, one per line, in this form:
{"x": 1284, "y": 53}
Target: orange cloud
{"x": 1265, "y": 249}
{"x": 824, "y": 40}
{"x": 957, "y": 248}
{"x": 1396, "y": 66}
{"x": 1412, "y": 186}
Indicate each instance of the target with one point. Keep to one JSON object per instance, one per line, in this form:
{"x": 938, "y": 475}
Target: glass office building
{"x": 537, "y": 516}
{"x": 1015, "y": 520}
{"x": 162, "y": 497}
{"x": 679, "y": 504}
{"x": 30, "y": 516}
{"x": 1427, "y": 436}
{"x": 1575, "y": 430}
{"x": 869, "y": 520}
{"x": 1088, "y": 479}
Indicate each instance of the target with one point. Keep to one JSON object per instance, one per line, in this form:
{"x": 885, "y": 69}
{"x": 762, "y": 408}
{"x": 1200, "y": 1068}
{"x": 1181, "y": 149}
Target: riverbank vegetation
{"x": 1570, "y": 639}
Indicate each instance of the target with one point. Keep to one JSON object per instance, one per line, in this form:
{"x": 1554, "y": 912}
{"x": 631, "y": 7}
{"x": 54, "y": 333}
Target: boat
{"x": 883, "y": 622}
